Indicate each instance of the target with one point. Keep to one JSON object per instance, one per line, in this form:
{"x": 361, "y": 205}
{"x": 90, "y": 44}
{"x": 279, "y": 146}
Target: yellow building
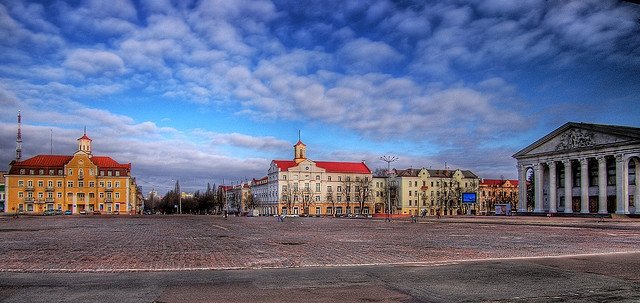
{"x": 81, "y": 183}
{"x": 432, "y": 191}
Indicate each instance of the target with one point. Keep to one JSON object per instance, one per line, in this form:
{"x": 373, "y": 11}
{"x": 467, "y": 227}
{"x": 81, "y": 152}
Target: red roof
{"x": 497, "y": 182}
{"x": 330, "y": 167}
{"x": 300, "y": 143}
{"x": 55, "y": 161}
{"x": 85, "y": 138}
{"x": 44, "y": 161}
{"x": 107, "y": 162}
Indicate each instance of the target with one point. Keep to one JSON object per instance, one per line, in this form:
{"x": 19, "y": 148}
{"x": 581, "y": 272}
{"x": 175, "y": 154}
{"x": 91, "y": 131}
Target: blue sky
{"x": 206, "y": 91}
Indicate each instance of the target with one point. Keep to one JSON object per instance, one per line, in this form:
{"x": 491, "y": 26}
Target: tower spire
{"x": 19, "y": 138}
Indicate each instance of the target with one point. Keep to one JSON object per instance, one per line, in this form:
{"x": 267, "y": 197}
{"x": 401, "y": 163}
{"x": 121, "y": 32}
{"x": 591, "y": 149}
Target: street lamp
{"x": 389, "y": 159}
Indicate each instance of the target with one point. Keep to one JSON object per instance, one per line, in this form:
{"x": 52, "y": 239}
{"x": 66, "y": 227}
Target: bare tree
{"x": 362, "y": 191}
{"x": 332, "y": 200}
{"x": 305, "y": 194}
{"x": 346, "y": 192}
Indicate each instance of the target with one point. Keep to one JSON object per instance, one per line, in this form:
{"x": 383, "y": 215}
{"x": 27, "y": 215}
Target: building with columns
{"x": 581, "y": 168}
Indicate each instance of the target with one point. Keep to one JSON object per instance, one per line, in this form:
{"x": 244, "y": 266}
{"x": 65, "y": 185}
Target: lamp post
{"x": 388, "y": 159}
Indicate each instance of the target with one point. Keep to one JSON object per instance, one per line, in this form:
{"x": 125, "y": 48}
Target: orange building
{"x": 81, "y": 183}
{"x": 496, "y": 191}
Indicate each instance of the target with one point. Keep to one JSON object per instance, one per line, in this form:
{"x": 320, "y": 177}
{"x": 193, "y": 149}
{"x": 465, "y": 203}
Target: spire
{"x": 84, "y": 143}
{"x": 299, "y": 150}
{"x": 19, "y": 139}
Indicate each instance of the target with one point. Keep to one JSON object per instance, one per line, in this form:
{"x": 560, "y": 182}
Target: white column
{"x": 584, "y": 186}
{"x": 538, "y": 169}
{"x": 622, "y": 186}
{"x": 553, "y": 187}
{"x": 568, "y": 187}
{"x": 636, "y": 198}
{"x": 602, "y": 185}
{"x": 522, "y": 189}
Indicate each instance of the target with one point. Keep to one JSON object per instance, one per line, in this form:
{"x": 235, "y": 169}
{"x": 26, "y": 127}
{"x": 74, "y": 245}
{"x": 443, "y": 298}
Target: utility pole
{"x": 388, "y": 159}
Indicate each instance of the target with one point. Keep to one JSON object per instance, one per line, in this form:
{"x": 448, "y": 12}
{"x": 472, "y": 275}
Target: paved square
{"x": 167, "y": 243}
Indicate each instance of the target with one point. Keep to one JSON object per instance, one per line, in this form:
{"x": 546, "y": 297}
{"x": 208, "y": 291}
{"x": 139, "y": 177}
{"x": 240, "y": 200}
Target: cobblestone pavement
{"x": 169, "y": 243}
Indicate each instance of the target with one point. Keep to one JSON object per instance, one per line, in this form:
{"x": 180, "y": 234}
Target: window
{"x": 317, "y": 198}
{"x": 69, "y": 183}
{"x": 329, "y": 188}
{"x": 317, "y": 187}
{"x": 32, "y": 172}
{"x": 109, "y": 173}
{"x": 30, "y": 183}
{"x": 60, "y": 172}
{"x": 339, "y": 198}
{"x": 80, "y": 183}
{"x": 101, "y": 183}
{"x": 328, "y": 178}
{"x": 284, "y": 177}
{"x": 109, "y": 184}
{"x": 101, "y": 195}
{"x": 317, "y": 177}
{"x": 50, "y": 183}
{"x": 92, "y": 195}
{"x": 70, "y": 173}
{"x": 318, "y": 210}
{"x": 92, "y": 184}
{"x": 22, "y": 171}
{"x": 59, "y": 184}
{"x": 59, "y": 195}
{"x": 20, "y": 183}
{"x": 117, "y": 173}
{"x": 40, "y": 195}
{"x": 117, "y": 195}
{"x": 117, "y": 184}
{"x": 20, "y": 194}
{"x": 52, "y": 172}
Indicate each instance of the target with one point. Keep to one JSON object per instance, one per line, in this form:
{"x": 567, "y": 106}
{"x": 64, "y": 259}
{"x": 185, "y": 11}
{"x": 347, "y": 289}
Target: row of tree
{"x": 211, "y": 201}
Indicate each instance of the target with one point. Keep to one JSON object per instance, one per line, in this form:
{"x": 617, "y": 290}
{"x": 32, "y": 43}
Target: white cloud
{"x": 364, "y": 55}
{"x": 94, "y": 62}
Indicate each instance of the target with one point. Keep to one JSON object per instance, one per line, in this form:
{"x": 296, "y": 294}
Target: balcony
{"x": 108, "y": 189}
{"x": 108, "y": 200}
{"x": 29, "y": 199}
{"x": 49, "y": 189}
{"x": 48, "y": 200}
{"x": 29, "y": 188}
{"x": 81, "y": 177}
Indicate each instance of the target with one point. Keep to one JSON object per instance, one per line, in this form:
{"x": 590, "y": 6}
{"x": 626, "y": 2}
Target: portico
{"x": 581, "y": 168}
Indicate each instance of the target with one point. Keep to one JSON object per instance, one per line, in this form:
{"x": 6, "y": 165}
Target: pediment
{"x": 580, "y": 136}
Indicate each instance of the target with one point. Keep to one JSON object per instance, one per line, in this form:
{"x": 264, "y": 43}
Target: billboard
{"x": 469, "y": 198}
{"x": 503, "y": 209}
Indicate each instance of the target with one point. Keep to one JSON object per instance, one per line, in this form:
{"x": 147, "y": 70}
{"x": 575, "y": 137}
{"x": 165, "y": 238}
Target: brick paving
{"x": 167, "y": 243}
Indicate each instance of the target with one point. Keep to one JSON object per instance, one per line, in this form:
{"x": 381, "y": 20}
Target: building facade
{"x": 2, "y": 194}
{"x": 80, "y": 183}
{"x": 581, "y": 168}
{"x": 318, "y": 188}
{"x": 433, "y": 192}
{"x": 496, "y": 192}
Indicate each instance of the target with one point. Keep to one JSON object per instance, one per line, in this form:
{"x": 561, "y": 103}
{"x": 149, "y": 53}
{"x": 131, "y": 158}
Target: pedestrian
{"x": 424, "y": 213}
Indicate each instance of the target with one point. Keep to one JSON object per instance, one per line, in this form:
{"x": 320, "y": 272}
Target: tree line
{"x": 210, "y": 201}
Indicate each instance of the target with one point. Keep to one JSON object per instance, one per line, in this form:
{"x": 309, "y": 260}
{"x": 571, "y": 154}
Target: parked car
{"x": 116, "y": 212}
{"x": 83, "y": 212}
{"x": 57, "y": 212}
{"x": 68, "y": 212}
{"x": 48, "y": 212}
{"x": 97, "y": 212}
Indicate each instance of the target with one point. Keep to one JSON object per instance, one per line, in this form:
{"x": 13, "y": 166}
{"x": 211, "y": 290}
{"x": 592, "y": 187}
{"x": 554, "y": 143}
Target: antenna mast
{"x": 19, "y": 139}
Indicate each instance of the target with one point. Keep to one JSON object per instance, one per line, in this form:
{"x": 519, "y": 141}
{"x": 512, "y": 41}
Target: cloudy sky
{"x": 212, "y": 91}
